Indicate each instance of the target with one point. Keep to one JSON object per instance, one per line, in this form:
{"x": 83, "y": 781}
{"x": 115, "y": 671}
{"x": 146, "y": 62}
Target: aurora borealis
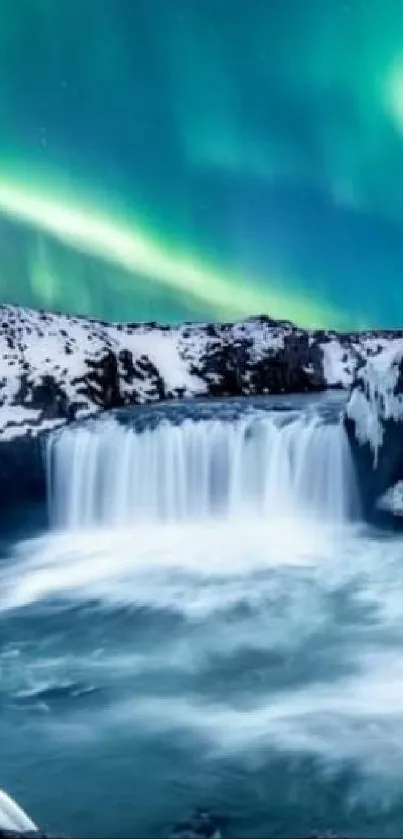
{"x": 203, "y": 158}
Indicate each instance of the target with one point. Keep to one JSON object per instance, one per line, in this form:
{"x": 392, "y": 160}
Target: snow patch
{"x": 337, "y": 364}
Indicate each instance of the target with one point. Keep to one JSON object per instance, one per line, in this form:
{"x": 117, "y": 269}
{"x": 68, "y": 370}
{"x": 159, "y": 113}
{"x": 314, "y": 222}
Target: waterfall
{"x": 262, "y": 464}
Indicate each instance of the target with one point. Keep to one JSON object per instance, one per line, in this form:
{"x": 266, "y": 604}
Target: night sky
{"x": 171, "y": 159}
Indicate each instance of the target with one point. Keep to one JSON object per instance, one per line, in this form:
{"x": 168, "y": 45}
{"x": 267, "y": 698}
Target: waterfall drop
{"x": 264, "y": 463}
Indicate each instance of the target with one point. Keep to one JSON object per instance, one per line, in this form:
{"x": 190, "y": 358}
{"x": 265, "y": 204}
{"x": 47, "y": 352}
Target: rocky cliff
{"x": 55, "y": 368}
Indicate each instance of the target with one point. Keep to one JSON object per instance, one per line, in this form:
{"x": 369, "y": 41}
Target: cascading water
{"x": 205, "y": 602}
{"x": 263, "y": 463}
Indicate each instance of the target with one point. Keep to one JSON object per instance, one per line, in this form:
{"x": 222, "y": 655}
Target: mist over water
{"x": 206, "y": 623}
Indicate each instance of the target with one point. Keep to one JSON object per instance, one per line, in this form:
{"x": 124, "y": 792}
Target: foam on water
{"x": 192, "y": 567}
{"x": 223, "y": 594}
{"x": 312, "y": 613}
{"x": 246, "y": 596}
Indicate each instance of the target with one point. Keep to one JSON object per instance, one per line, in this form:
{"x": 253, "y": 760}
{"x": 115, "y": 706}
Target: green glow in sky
{"x": 204, "y": 159}
{"x": 133, "y": 251}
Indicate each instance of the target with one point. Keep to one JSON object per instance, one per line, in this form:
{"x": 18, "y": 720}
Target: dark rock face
{"x": 22, "y": 472}
{"x": 256, "y": 357}
{"x": 378, "y": 477}
{"x": 374, "y": 421}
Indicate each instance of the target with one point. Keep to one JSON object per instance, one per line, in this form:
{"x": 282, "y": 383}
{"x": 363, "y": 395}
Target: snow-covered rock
{"x": 374, "y": 419}
{"x": 55, "y": 368}
{"x": 392, "y": 500}
{"x": 377, "y": 396}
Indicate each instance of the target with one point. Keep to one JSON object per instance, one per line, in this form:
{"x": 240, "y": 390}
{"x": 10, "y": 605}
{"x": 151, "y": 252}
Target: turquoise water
{"x": 252, "y": 666}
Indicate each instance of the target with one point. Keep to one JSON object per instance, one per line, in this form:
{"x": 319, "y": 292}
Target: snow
{"x": 337, "y": 364}
{"x": 392, "y": 500}
{"x": 374, "y": 398}
{"x": 15, "y": 419}
{"x": 264, "y": 337}
{"x": 162, "y": 350}
{"x": 39, "y": 348}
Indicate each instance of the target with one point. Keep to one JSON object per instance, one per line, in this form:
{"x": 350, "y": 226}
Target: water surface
{"x": 248, "y": 661}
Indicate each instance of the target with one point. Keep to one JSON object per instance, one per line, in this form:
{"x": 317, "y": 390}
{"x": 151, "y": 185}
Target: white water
{"x": 229, "y": 599}
{"x": 12, "y": 817}
{"x": 264, "y": 464}
{"x": 321, "y": 604}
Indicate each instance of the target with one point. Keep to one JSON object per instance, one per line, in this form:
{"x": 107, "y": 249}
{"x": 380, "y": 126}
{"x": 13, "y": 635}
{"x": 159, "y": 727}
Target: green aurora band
{"x": 130, "y": 249}
{"x": 195, "y": 158}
